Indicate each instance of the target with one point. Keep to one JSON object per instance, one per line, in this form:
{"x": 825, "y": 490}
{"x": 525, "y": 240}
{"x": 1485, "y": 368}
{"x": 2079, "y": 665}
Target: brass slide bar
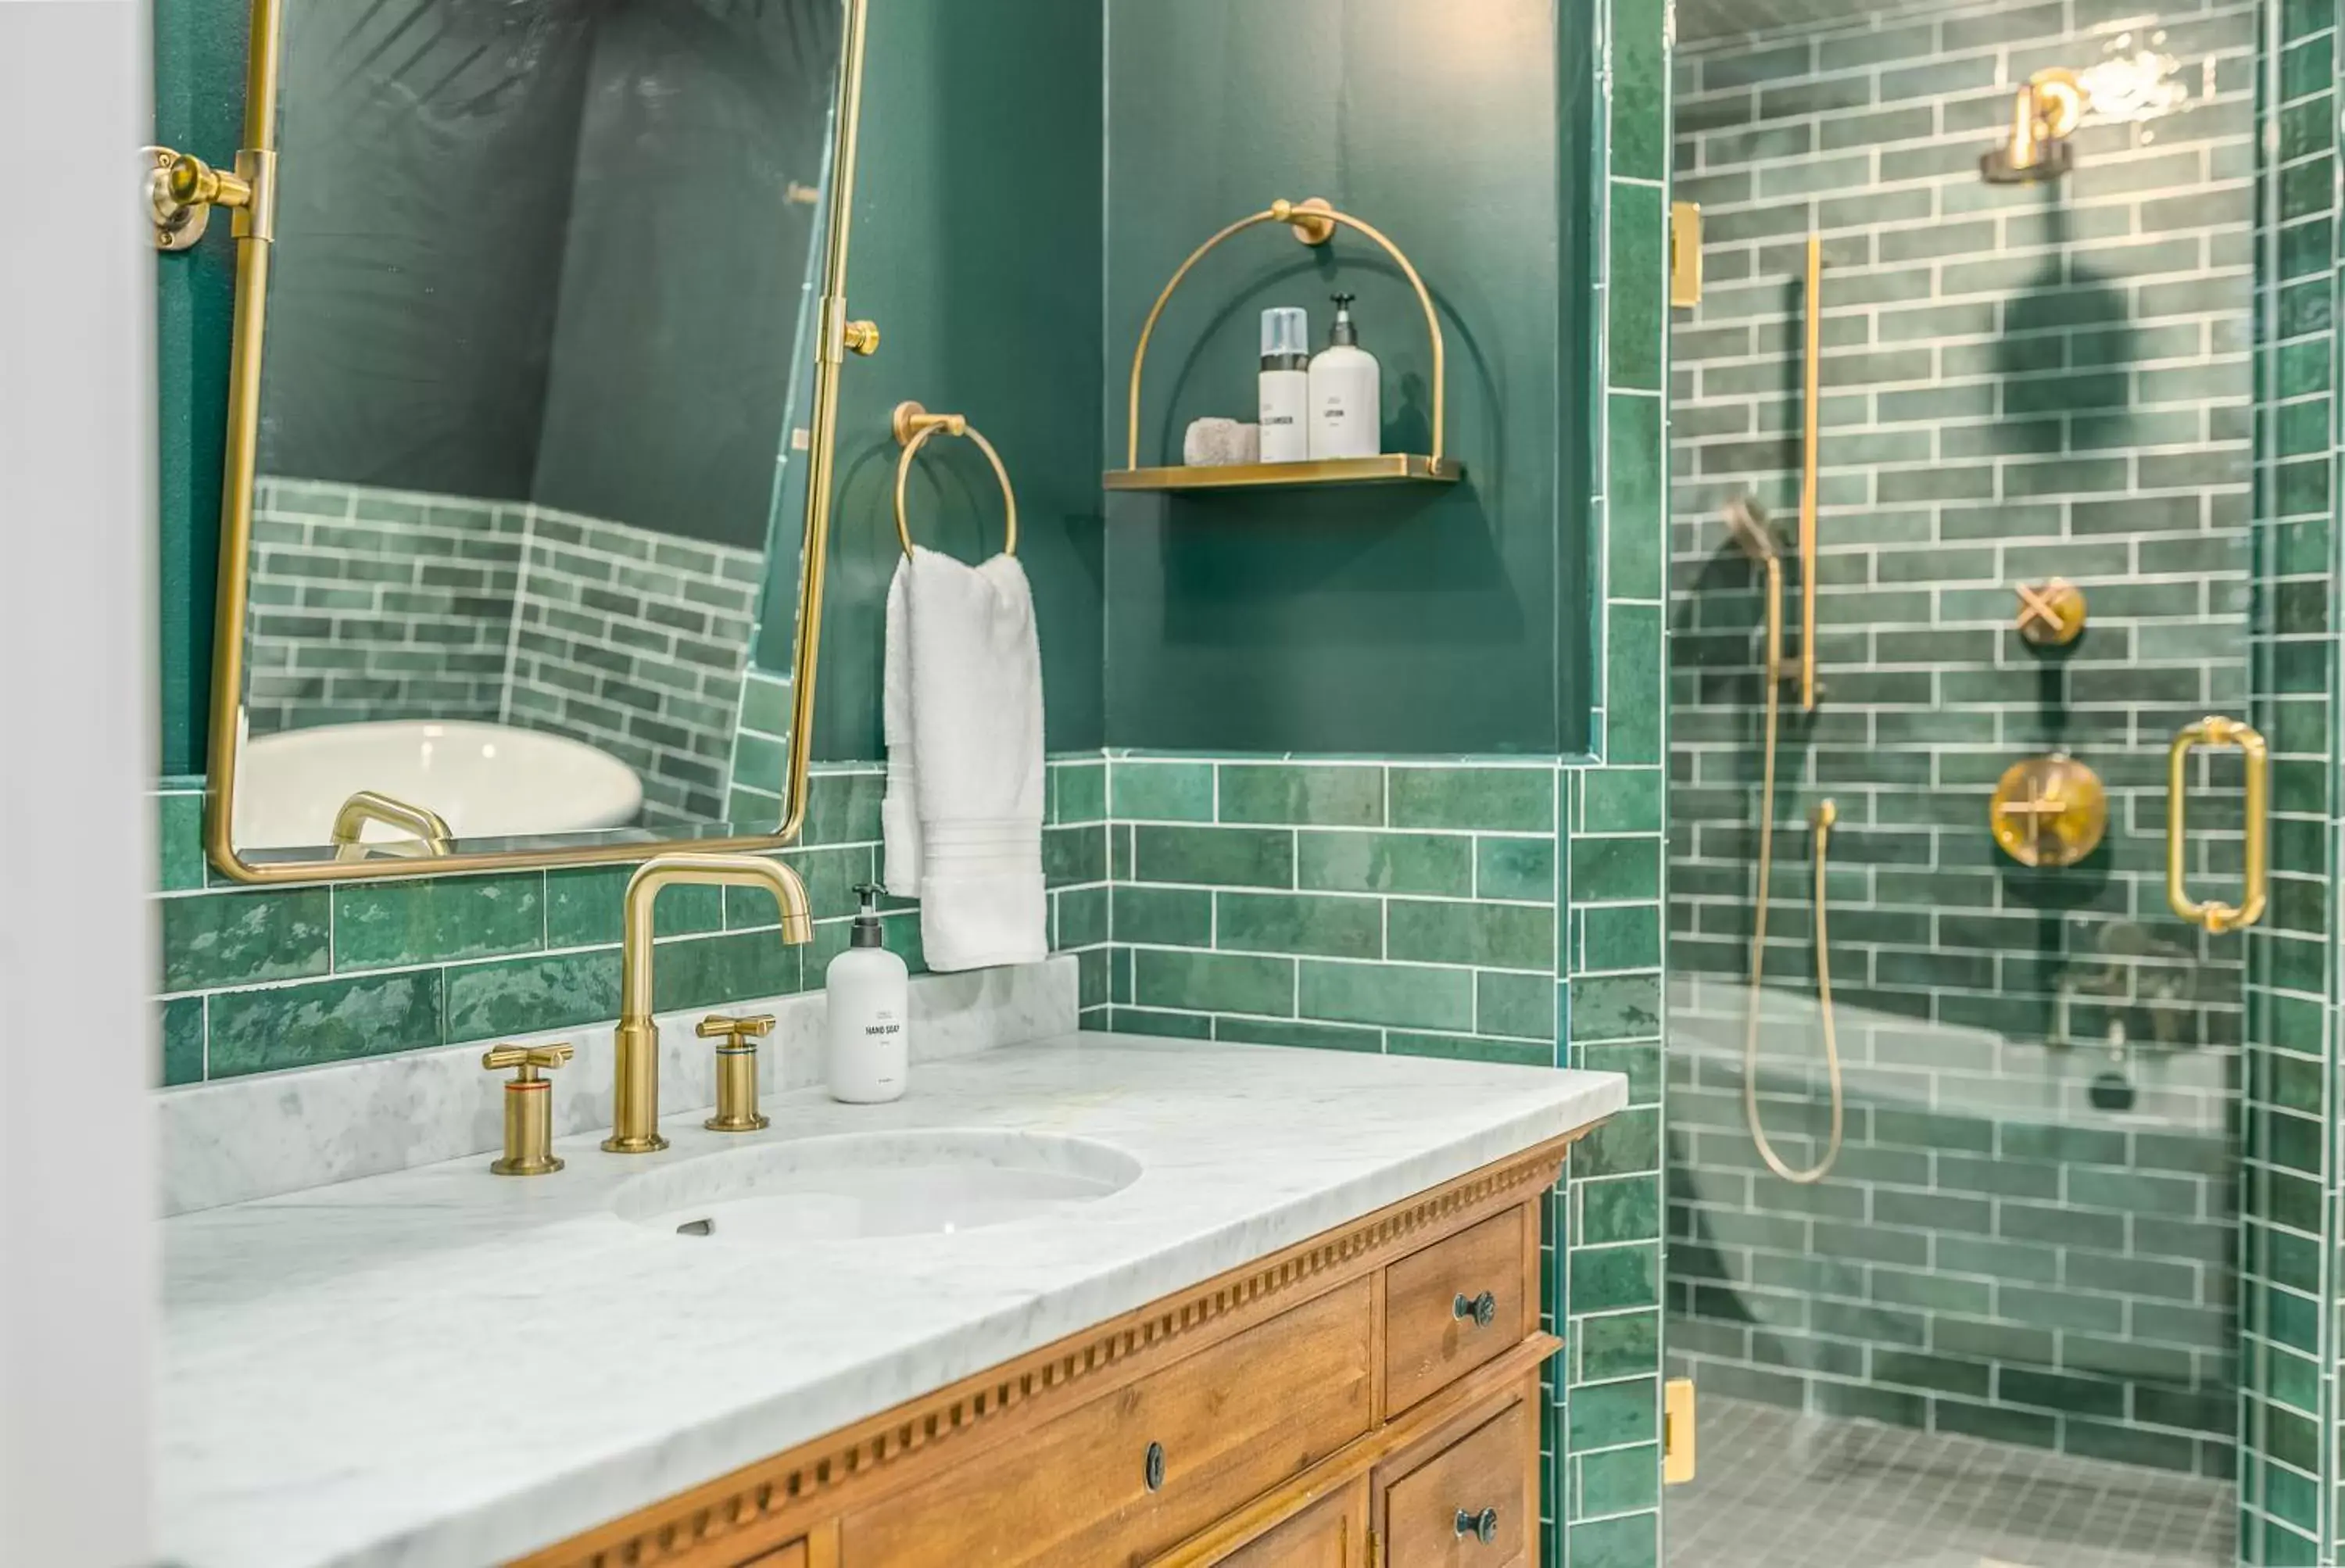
{"x": 2213, "y": 915}
{"x": 1808, "y": 475}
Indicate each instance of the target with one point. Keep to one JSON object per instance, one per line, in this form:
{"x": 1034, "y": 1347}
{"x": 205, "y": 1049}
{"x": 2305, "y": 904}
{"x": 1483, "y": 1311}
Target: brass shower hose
{"x": 1820, "y": 823}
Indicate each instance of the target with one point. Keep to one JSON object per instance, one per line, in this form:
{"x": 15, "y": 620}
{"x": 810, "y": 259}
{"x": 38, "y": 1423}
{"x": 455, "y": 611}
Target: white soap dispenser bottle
{"x": 867, "y": 1014}
{"x": 1346, "y": 394}
{"x": 1285, "y": 404}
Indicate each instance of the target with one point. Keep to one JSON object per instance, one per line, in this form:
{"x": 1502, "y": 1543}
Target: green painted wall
{"x": 976, "y": 248}
{"x": 1396, "y": 619}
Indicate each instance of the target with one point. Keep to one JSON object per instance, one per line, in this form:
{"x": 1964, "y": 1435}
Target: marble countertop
{"x": 439, "y": 1368}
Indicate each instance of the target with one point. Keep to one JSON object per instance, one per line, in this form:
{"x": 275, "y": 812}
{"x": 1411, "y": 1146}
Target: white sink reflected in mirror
{"x": 861, "y": 1185}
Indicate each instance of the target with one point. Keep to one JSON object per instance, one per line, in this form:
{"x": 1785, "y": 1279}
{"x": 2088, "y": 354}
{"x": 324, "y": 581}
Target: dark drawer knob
{"x": 1483, "y": 1526}
{"x": 1483, "y": 1308}
{"x": 1154, "y": 1470}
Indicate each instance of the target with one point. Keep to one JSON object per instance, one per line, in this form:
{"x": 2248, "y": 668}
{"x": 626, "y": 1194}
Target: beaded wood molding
{"x": 767, "y": 1503}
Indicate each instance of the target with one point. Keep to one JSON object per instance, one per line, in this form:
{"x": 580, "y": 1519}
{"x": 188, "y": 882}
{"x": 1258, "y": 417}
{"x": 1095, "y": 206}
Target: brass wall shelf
{"x": 1393, "y": 468}
{"x": 1313, "y": 223}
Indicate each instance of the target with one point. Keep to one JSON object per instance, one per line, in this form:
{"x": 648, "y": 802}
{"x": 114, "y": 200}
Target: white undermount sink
{"x": 858, "y": 1186}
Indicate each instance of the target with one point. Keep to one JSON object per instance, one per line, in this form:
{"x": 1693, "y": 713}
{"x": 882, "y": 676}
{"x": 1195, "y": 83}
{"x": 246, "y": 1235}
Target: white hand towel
{"x": 974, "y": 773}
{"x": 900, "y": 812}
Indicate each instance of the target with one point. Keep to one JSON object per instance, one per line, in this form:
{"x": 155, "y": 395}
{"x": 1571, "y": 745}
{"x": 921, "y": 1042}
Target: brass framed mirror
{"x": 540, "y": 320}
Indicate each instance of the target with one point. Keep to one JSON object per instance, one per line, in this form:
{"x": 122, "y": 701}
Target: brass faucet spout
{"x": 634, "y": 1121}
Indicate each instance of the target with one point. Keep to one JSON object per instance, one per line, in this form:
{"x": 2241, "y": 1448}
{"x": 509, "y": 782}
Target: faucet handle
{"x": 736, "y": 1070}
{"x": 529, "y": 1106}
{"x": 756, "y": 1026}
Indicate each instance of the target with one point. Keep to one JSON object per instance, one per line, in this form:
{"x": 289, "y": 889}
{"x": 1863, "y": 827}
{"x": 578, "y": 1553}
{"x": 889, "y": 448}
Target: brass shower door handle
{"x": 2213, "y": 915}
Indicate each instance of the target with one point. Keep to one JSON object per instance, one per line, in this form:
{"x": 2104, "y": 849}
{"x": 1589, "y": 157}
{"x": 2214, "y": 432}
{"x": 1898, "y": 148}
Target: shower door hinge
{"x": 1677, "y": 1432}
{"x": 1685, "y": 254}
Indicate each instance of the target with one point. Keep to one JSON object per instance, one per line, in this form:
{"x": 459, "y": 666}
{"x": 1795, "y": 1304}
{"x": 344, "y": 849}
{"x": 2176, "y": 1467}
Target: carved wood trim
{"x": 767, "y": 1503}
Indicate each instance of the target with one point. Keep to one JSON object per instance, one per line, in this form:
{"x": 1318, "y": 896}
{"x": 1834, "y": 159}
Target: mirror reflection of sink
{"x": 857, "y": 1185}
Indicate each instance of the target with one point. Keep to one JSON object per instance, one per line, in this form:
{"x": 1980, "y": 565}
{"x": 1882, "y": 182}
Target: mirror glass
{"x": 537, "y": 354}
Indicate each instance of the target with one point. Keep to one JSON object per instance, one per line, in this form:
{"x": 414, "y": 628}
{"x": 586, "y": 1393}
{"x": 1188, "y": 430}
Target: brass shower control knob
{"x": 2049, "y": 810}
{"x": 2051, "y": 616}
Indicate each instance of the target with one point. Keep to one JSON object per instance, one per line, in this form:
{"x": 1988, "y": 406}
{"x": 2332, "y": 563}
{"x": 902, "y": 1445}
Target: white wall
{"x": 76, "y": 725}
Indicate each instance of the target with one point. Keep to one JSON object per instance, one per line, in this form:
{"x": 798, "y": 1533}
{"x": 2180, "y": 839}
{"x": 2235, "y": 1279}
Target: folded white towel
{"x": 963, "y": 639}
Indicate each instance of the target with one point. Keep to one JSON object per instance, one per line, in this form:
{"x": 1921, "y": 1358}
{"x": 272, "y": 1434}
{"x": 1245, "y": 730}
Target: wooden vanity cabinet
{"x": 1367, "y": 1398}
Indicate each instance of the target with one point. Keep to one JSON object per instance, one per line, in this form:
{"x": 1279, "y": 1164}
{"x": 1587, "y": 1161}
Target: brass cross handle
{"x": 736, "y": 1070}
{"x": 529, "y": 1107}
{"x": 2049, "y": 812}
{"x": 2052, "y": 615}
{"x": 529, "y": 1059}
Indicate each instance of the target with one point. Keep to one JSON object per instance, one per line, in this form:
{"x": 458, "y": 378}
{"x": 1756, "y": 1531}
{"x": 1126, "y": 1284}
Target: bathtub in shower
{"x": 486, "y": 780}
{"x": 1993, "y": 1252}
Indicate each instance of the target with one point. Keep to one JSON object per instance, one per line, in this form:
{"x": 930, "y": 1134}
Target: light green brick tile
{"x": 583, "y": 907}
{"x": 1628, "y": 1145}
{"x": 1616, "y": 1007}
{"x": 1150, "y": 791}
{"x": 179, "y": 841}
{"x": 1639, "y": 1060}
{"x": 1470, "y": 1048}
{"x": 1636, "y": 534}
{"x": 843, "y": 808}
{"x": 1221, "y": 857}
{"x": 1212, "y": 981}
{"x": 1091, "y": 978}
{"x": 1385, "y": 863}
{"x": 324, "y": 1021}
{"x": 1612, "y": 1415}
{"x": 1488, "y": 799}
{"x": 1634, "y": 278}
{"x": 1325, "y": 924}
{"x": 760, "y": 762}
{"x": 1631, "y": 1541}
{"x": 1621, "y": 800}
{"x": 1079, "y": 791}
{"x": 1174, "y": 1026}
{"x": 212, "y": 940}
{"x": 765, "y": 705}
{"x": 1403, "y": 995}
{"x": 1075, "y": 855}
{"x": 1163, "y": 917}
{"x": 1619, "y": 1481}
{"x": 1617, "y": 1345}
{"x": 1633, "y": 696}
{"x": 1314, "y": 1037}
{"x": 1512, "y": 868}
{"x": 1640, "y": 87}
{"x": 524, "y": 995}
{"x": 1303, "y": 795}
{"x": 711, "y": 971}
{"x": 181, "y": 1029}
{"x": 1621, "y": 1209}
{"x": 1521, "y": 1005}
{"x": 1615, "y": 870}
{"x": 1491, "y": 936}
{"x": 1620, "y": 936}
{"x": 387, "y": 925}
{"x": 1609, "y": 1278}
{"x": 1080, "y": 917}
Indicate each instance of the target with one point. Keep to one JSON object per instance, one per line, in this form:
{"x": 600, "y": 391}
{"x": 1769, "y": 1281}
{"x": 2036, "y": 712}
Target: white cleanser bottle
{"x": 867, "y": 1015}
{"x": 1285, "y": 385}
{"x": 1347, "y": 416}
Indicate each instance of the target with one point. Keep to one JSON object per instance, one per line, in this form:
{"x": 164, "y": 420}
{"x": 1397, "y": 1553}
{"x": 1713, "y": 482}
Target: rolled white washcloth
{"x": 1219, "y": 442}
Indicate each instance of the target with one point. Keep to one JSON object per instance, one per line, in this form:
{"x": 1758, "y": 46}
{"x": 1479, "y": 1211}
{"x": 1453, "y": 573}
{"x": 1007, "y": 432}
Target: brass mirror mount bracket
{"x": 2051, "y": 616}
{"x": 2049, "y": 812}
{"x": 181, "y": 190}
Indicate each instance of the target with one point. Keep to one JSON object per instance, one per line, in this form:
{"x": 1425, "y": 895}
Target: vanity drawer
{"x": 1436, "y": 1513}
{"x": 1436, "y": 1302}
{"x": 1330, "y": 1533}
{"x": 1230, "y": 1422}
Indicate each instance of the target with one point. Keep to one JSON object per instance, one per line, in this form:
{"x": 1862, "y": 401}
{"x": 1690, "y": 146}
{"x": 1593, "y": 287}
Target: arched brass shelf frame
{"x": 1315, "y": 222}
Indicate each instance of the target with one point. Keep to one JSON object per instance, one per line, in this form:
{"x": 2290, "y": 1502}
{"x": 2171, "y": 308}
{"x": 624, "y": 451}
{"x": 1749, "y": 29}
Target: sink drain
{"x": 696, "y": 1227}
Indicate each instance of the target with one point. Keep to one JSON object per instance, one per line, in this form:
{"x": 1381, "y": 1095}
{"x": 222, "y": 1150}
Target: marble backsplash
{"x": 239, "y": 1139}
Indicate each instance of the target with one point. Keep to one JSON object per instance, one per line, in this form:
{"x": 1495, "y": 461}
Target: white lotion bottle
{"x": 867, "y": 1015}
{"x": 1285, "y": 385}
{"x": 1346, "y": 392}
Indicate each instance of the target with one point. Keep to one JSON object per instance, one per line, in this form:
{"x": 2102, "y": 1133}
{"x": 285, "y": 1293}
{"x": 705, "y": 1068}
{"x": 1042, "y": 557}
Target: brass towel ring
{"x": 913, "y": 425}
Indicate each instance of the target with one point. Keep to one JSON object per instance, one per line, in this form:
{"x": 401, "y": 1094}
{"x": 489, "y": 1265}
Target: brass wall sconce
{"x": 2043, "y": 114}
{"x": 182, "y": 189}
{"x": 2049, "y": 812}
{"x": 2051, "y": 616}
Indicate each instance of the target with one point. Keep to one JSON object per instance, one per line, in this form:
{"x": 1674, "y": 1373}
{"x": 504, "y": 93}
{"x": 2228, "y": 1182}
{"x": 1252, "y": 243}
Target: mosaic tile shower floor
{"x": 1781, "y": 1489}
